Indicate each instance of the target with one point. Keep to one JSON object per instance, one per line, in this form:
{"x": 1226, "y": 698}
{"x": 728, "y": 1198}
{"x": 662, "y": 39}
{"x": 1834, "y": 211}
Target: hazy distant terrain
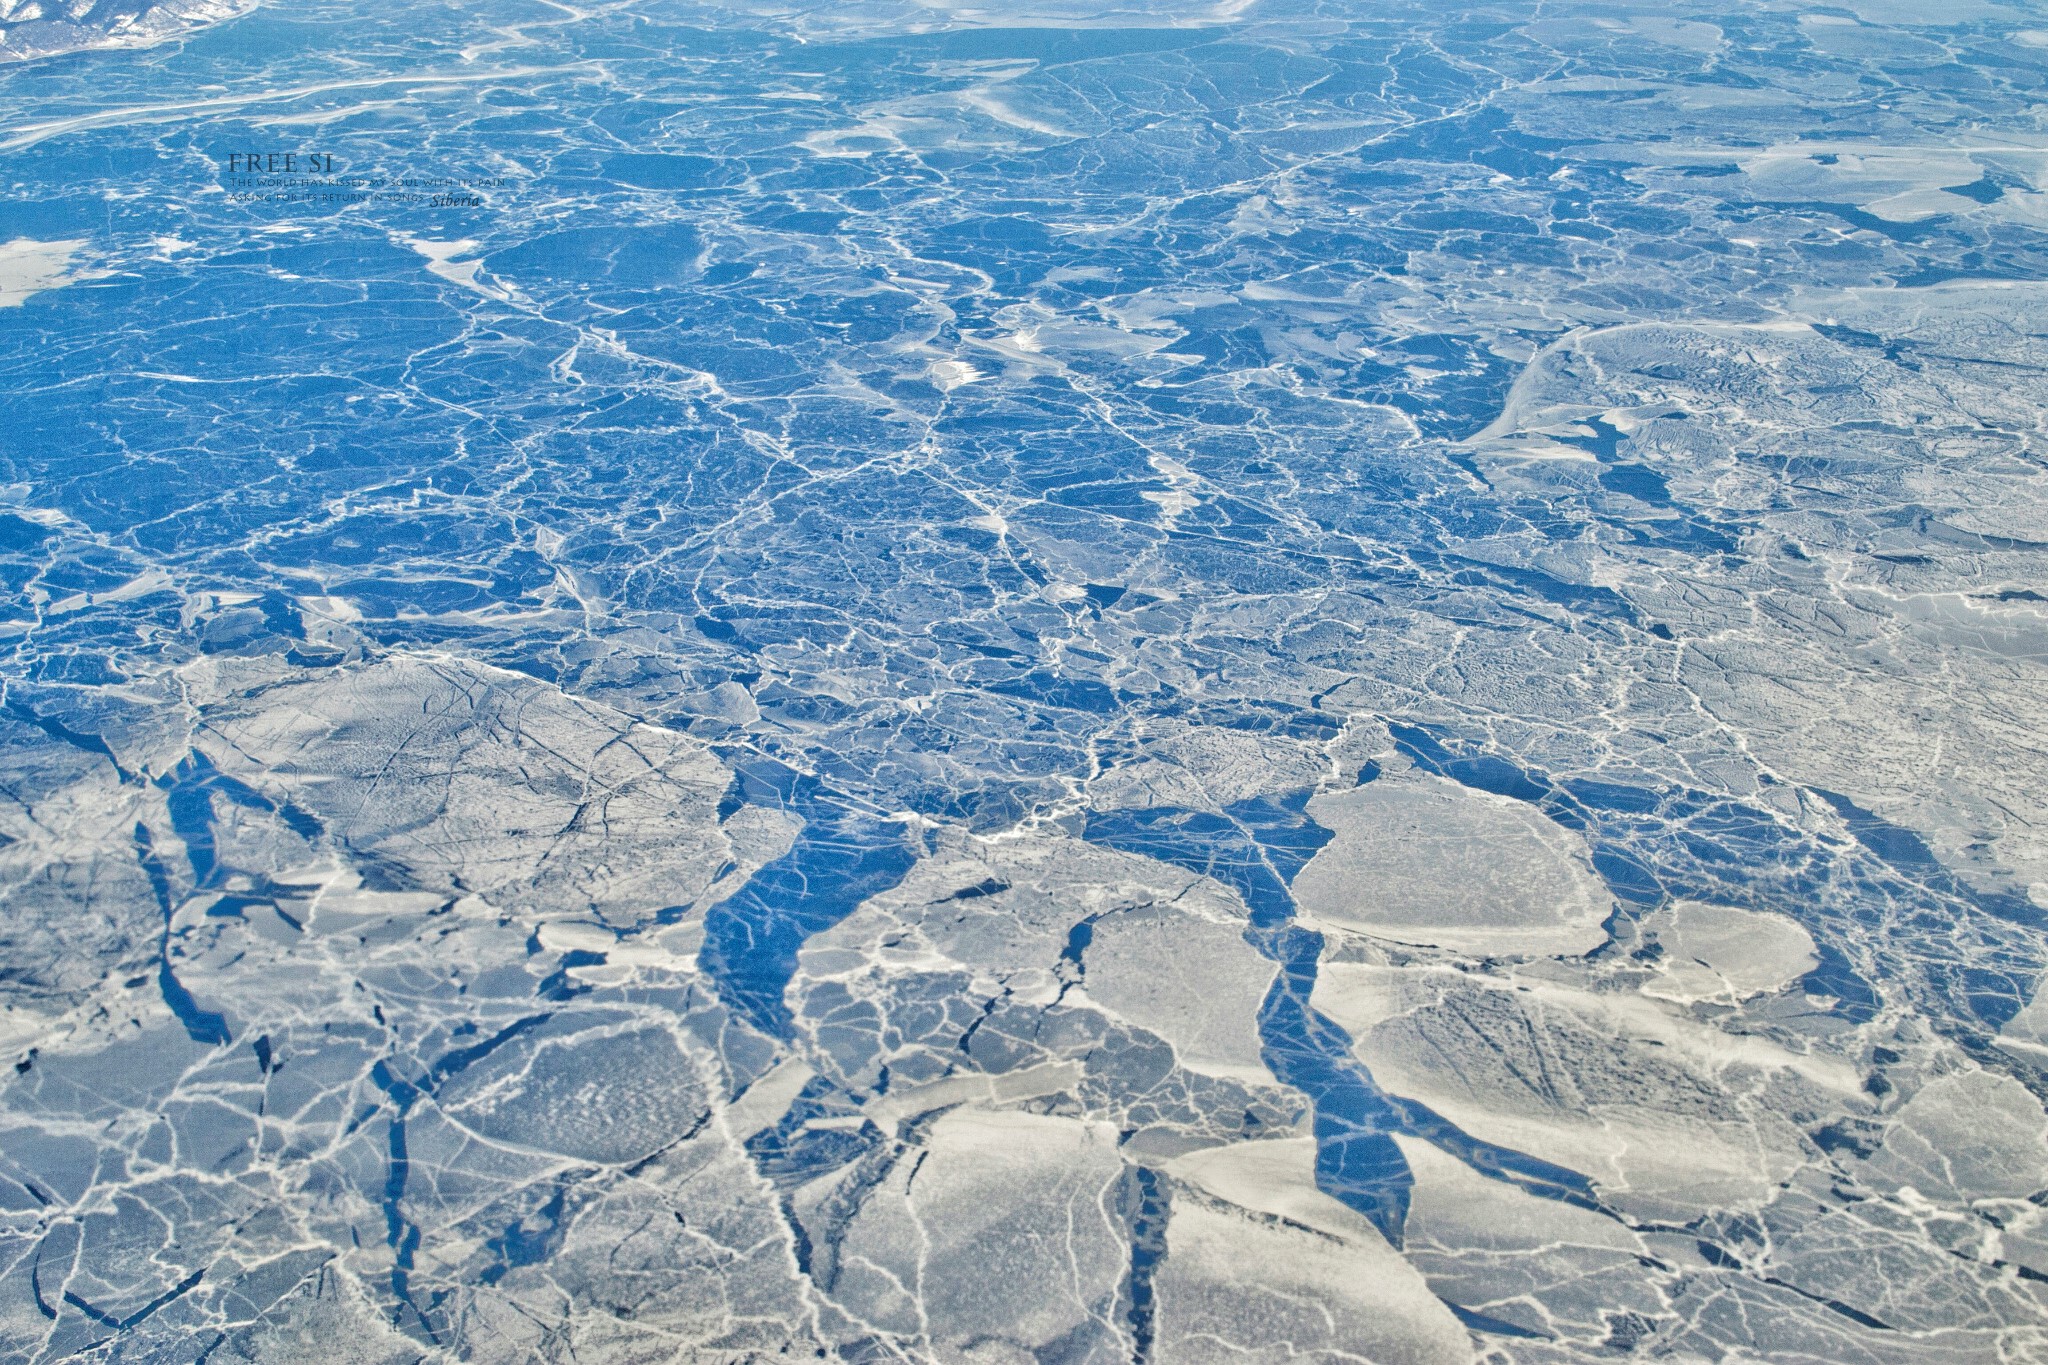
{"x": 43, "y": 28}
{"x": 1094, "y": 682}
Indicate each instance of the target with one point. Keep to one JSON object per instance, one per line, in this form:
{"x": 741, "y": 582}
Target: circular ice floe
{"x": 1720, "y": 953}
{"x": 571, "y": 1089}
{"x": 1426, "y": 861}
{"x": 1973, "y": 1135}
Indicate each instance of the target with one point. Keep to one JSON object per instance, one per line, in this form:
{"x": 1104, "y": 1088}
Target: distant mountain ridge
{"x": 48, "y": 28}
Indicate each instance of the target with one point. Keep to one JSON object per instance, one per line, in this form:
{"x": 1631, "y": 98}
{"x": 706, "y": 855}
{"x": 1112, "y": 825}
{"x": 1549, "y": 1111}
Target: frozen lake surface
{"x": 1081, "y": 681}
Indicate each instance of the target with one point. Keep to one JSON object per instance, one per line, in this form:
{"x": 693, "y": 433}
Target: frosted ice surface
{"x": 1054, "y": 681}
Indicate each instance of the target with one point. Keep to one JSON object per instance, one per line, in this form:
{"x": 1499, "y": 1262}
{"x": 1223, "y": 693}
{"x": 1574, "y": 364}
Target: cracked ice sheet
{"x": 469, "y": 1077}
{"x": 1894, "y": 620}
{"x": 1018, "y": 954}
{"x": 1111, "y": 460}
{"x": 486, "y": 785}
